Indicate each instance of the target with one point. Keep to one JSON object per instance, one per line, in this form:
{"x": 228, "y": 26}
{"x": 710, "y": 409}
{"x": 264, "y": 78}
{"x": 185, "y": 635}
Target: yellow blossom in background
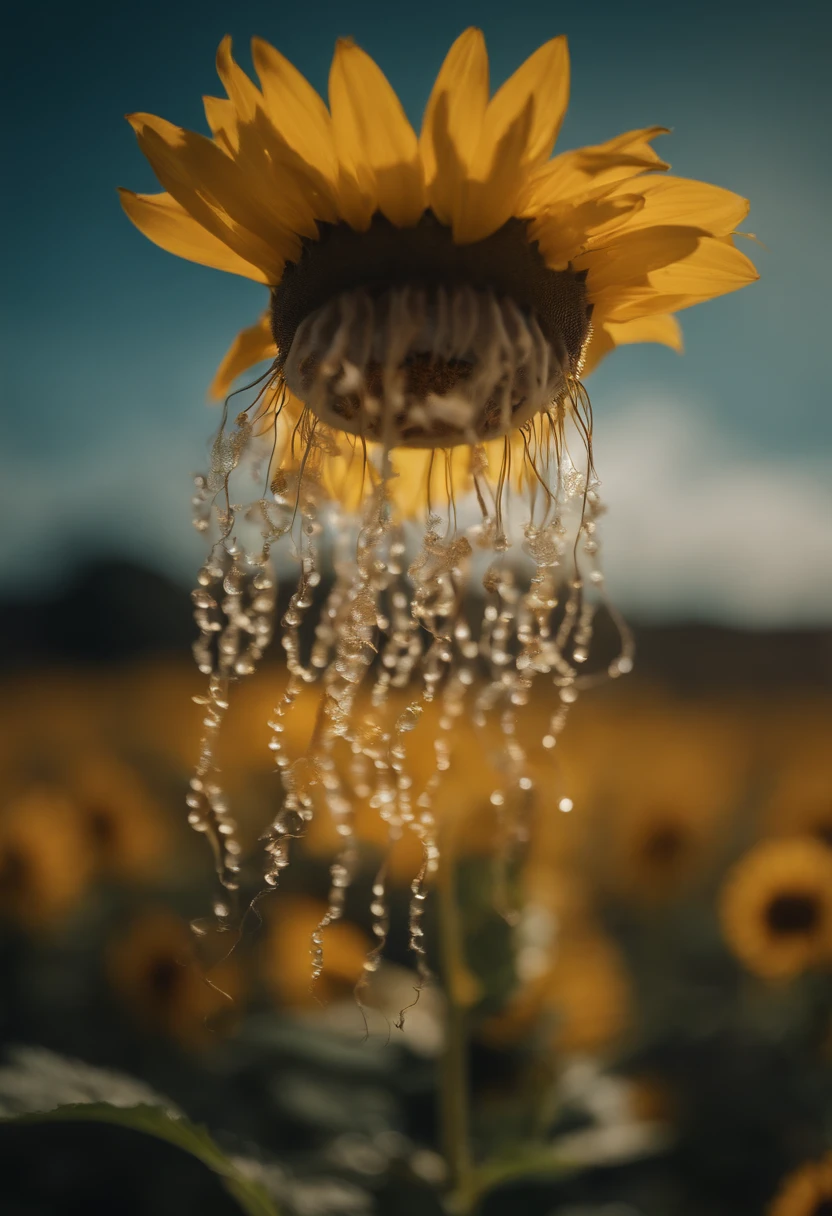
{"x": 124, "y": 827}
{"x": 286, "y": 957}
{"x": 154, "y": 972}
{"x": 673, "y": 778}
{"x": 806, "y": 1192}
{"x": 776, "y": 907}
{"x": 45, "y": 863}
{"x": 581, "y": 1001}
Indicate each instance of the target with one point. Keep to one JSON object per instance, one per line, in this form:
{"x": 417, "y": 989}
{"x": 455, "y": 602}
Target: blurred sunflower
{"x": 435, "y": 301}
{"x": 154, "y": 971}
{"x": 125, "y": 831}
{"x": 44, "y": 860}
{"x": 582, "y": 1000}
{"x": 287, "y": 954}
{"x": 360, "y": 227}
{"x": 806, "y": 1192}
{"x": 672, "y": 778}
{"x": 776, "y": 907}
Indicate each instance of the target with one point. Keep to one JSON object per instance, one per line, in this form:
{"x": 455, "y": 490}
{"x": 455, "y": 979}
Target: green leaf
{"x": 156, "y": 1121}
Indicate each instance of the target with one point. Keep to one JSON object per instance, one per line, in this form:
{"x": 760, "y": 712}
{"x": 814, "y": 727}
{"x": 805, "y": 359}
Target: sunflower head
{"x": 806, "y": 1192}
{"x": 776, "y": 907}
{"x": 154, "y": 972}
{"x": 435, "y": 289}
{"x": 44, "y": 859}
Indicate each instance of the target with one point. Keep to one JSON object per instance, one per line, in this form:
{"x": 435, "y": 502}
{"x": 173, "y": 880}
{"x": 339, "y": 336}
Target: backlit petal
{"x": 713, "y": 269}
{"x": 543, "y": 78}
{"x": 661, "y": 328}
{"x": 679, "y": 200}
{"x": 453, "y": 121}
{"x": 296, "y": 110}
{"x": 574, "y": 172}
{"x": 490, "y": 192}
{"x": 251, "y": 346}
{"x": 222, "y": 120}
{"x": 373, "y": 135}
{"x": 168, "y": 225}
{"x": 211, "y": 187}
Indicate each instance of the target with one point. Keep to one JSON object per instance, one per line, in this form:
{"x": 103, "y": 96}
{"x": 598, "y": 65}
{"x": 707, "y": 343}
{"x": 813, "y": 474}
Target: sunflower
{"x": 287, "y": 952}
{"x": 776, "y": 907}
{"x": 153, "y": 970}
{"x": 806, "y": 1192}
{"x": 673, "y": 777}
{"x": 435, "y": 303}
{"x": 583, "y": 997}
{"x": 122, "y": 824}
{"x": 44, "y": 860}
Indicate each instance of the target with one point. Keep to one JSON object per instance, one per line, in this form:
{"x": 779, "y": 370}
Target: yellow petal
{"x": 631, "y": 257}
{"x": 295, "y": 109}
{"x": 490, "y": 193}
{"x": 544, "y": 78}
{"x": 713, "y": 269}
{"x": 661, "y": 328}
{"x": 565, "y": 232}
{"x": 452, "y": 121}
{"x": 681, "y": 201}
{"x": 574, "y": 172}
{"x": 251, "y": 346}
{"x": 211, "y": 187}
{"x": 373, "y": 136}
{"x": 169, "y": 226}
{"x": 222, "y": 120}
{"x": 242, "y": 92}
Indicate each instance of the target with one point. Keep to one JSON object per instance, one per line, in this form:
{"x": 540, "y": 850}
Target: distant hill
{"x": 115, "y": 611}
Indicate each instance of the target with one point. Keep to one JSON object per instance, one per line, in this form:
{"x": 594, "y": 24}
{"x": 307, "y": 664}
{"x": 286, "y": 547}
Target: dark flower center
{"x": 824, "y": 1208}
{"x": 15, "y": 870}
{"x": 401, "y": 334}
{"x": 793, "y": 912}
{"x": 163, "y": 978}
{"x": 665, "y": 845}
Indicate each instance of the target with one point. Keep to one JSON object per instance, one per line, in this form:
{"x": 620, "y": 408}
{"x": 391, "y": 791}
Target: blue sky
{"x": 718, "y": 465}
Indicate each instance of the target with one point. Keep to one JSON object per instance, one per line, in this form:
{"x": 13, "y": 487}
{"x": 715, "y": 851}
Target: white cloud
{"x": 698, "y": 527}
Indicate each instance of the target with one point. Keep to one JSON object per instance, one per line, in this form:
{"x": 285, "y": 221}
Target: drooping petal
{"x": 251, "y": 346}
{"x": 453, "y": 120}
{"x": 628, "y": 258}
{"x": 682, "y": 201}
{"x": 574, "y": 172}
{"x": 373, "y": 137}
{"x": 543, "y": 78}
{"x": 661, "y": 328}
{"x": 168, "y": 225}
{"x": 713, "y": 269}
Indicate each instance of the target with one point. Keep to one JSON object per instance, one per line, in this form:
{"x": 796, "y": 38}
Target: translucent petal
{"x": 222, "y": 120}
{"x": 168, "y": 225}
{"x": 713, "y": 269}
{"x": 543, "y": 78}
{"x": 681, "y": 201}
{"x": 373, "y": 137}
{"x": 295, "y": 109}
{"x": 251, "y": 346}
{"x": 661, "y": 328}
{"x": 491, "y": 190}
{"x": 574, "y": 172}
{"x": 628, "y": 258}
{"x": 211, "y": 187}
{"x": 453, "y": 121}
{"x": 242, "y": 92}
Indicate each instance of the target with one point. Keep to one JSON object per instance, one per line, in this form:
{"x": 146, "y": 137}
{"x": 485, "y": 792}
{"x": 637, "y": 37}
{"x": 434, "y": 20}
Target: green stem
{"x": 454, "y": 1081}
